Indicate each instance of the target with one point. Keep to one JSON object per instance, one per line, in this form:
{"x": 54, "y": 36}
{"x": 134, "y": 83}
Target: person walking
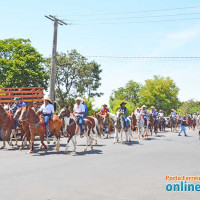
{"x": 183, "y": 125}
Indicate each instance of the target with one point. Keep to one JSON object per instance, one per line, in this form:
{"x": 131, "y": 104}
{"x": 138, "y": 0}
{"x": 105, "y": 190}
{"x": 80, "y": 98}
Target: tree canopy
{"x": 75, "y": 77}
{"x": 21, "y": 65}
{"x": 159, "y": 92}
{"x": 189, "y": 106}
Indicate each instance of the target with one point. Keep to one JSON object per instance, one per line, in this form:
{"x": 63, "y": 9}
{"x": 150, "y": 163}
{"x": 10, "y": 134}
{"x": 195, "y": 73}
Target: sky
{"x": 116, "y": 28}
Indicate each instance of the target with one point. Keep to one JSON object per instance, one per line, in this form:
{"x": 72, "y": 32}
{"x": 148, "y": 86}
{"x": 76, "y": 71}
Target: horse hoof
{"x": 20, "y": 148}
{"x": 54, "y": 142}
{"x": 92, "y": 147}
{"x": 30, "y": 151}
{"x": 65, "y": 152}
{"x": 85, "y": 149}
{"x": 48, "y": 142}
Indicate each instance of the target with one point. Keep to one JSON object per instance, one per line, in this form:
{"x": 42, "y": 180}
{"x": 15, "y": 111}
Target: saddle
{"x": 42, "y": 120}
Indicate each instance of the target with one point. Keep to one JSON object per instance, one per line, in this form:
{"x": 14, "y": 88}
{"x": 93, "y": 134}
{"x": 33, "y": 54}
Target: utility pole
{"x": 53, "y": 59}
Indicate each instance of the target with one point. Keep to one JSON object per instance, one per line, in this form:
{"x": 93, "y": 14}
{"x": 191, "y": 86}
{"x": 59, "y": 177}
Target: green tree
{"x": 21, "y": 65}
{"x": 160, "y": 92}
{"x": 129, "y": 94}
{"x": 189, "y": 106}
{"x": 75, "y": 77}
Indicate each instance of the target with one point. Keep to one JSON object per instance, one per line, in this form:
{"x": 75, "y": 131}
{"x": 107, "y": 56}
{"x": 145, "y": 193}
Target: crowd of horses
{"x": 66, "y": 125}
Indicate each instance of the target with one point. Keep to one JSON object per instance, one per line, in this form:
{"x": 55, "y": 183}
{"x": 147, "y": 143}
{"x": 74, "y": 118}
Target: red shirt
{"x": 104, "y": 110}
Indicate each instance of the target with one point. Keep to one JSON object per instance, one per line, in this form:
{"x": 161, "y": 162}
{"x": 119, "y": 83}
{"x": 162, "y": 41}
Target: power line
{"x": 148, "y": 16}
{"x": 146, "y": 57}
{"x": 142, "y": 11}
{"x": 139, "y": 22}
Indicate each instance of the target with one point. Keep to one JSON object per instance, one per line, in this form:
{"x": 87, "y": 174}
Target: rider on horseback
{"x": 18, "y": 103}
{"x": 145, "y": 113}
{"x": 173, "y": 113}
{"x": 104, "y": 110}
{"x": 124, "y": 111}
{"x": 161, "y": 114}
{"x": 154, "y": 114}
{"x": 47, "y": 110}
{"x": 79, "y": 111}
{"x": 137, "y": 110}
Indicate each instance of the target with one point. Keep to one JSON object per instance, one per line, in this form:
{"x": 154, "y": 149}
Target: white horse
{"x": 69, "y": 123}
{"x": 140, "y": 124}
{"x": 120, "y": 127}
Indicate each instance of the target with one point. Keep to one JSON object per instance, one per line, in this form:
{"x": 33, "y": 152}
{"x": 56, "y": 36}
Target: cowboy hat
{"x": 143, "y": 106}
{"x": 48, "y": 99}
{"x": 79, "y": 99}
{"x": 17, "y": 98}
{"x": 152, "y": 107}
{"x": 122, "y": 103}
{"x": 138, "y": 108}
{"x": 105, "y": 105}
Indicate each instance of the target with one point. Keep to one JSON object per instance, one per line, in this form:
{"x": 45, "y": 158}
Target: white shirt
{"x": 79, "y": 108}
{"x": 161, "y": 114}
{"x": 48, "y": 109}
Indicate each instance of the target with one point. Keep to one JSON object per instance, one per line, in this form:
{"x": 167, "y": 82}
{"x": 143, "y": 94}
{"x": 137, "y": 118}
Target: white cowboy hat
{"x": 138, "y": 108}
{"x": 152, "y": 107}
{"x": 48, "y": 99}
{"x": 79, "y": 99}
{"x": 143, "y": 106}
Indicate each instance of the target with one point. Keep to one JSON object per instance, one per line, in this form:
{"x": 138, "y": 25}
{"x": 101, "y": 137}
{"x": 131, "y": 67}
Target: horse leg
{"x": 42, "y": 142}
{"x": 32, "y": 142}
{"x": 23, "y": 142}
{"x": 11, "y": 136}
{"x": 116, "y": 136}
{"x": 3, "y": 138}
{"x": 74, "y": 143}
{"x": 66, "y": 149}
{"x": 15, "y": 135}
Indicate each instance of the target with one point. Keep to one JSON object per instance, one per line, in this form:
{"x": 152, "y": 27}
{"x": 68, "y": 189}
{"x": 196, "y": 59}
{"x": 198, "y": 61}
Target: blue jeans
{"x": 183, "y": 129}
{"x": 80, "y": 121}
{"x": 126, "y": 121}
{"x": 46, "y": 119}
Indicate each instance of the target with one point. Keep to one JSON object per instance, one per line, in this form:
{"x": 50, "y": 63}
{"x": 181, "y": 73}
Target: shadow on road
{"x": 131, "y": 143}
{"x": 94, "y": 151}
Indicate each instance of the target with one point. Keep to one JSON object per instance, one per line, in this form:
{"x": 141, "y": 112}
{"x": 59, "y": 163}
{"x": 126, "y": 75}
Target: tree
{"x": 160, "y": 92}
{"x": 129, "y": 93}
{"x": 189, "y": 106}
{"x": 21, "y": 65}
{"x": 75, "y": 76}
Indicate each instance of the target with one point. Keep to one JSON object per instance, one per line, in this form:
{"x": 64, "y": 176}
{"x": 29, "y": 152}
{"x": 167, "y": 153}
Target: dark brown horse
{"x": 72, "y": 128}
{"x": 24, "y": 128}
{"x": 152, "y": 124}
{"x": 133, "y": 122}
{"x": 172, "y": 123}
{"x": 189, "y": 122}
{"x": 37, "y": 128}
{"x": 8, "y": 126}
{"x": 100, "y": 119}
{"x": 161, "y": 123}
{"x": 107, "y": 124}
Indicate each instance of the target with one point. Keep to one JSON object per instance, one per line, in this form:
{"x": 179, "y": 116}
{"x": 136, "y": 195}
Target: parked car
{"x": 167, "y": 122}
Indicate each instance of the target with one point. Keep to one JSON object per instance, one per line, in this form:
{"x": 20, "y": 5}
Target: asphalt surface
{"x": 134, "y": 170}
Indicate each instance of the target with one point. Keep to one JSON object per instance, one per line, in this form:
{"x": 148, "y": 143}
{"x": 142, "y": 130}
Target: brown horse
{"x": 24, "y": 128}
{"x": 134, "y": 122}
{"x": 161, "y": 124}
{"x": 37, "y": 128}
{"x": 190, "y": 123}
{"x": 8, "y": 126}
{"x": 172, "y": 123}
{"x": 153, "y": 125}
{"x": 95, "y": 129}
{"x": 72, "y": 128}
{"x": 107, "y": 124}
{"x": 100, "y": 119}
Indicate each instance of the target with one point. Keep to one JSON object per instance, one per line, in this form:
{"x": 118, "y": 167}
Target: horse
{"x": 120, "y": 127}
{"x": 8, "y": 126}
{"x": 153, "y": 124}
{"x": 189, "y": 122}
{"x": 37, "y": 128}
{"x": 72, "y": 129}
{"x": 107, "y": 124}
{"x": 133, "y": 122}
{"x": 101, "y": 124}
{"x": 172, "y": 123}
{"x": 161, "y": 124}
{"x": 195, "y": 121}
{"x": 24, "y": 128}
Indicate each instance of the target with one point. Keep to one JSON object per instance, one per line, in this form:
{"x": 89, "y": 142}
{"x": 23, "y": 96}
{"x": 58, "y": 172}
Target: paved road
{"x": 134, "y": 170}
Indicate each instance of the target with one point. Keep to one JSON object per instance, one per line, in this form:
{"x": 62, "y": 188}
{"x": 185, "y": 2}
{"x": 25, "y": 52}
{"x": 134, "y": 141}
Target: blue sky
{"x": 25, "y": 19}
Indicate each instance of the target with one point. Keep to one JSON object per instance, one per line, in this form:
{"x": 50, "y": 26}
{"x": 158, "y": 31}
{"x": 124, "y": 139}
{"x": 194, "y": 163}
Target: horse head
{"x": 64, "y": 112}
{"x": 17, "y": 114}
